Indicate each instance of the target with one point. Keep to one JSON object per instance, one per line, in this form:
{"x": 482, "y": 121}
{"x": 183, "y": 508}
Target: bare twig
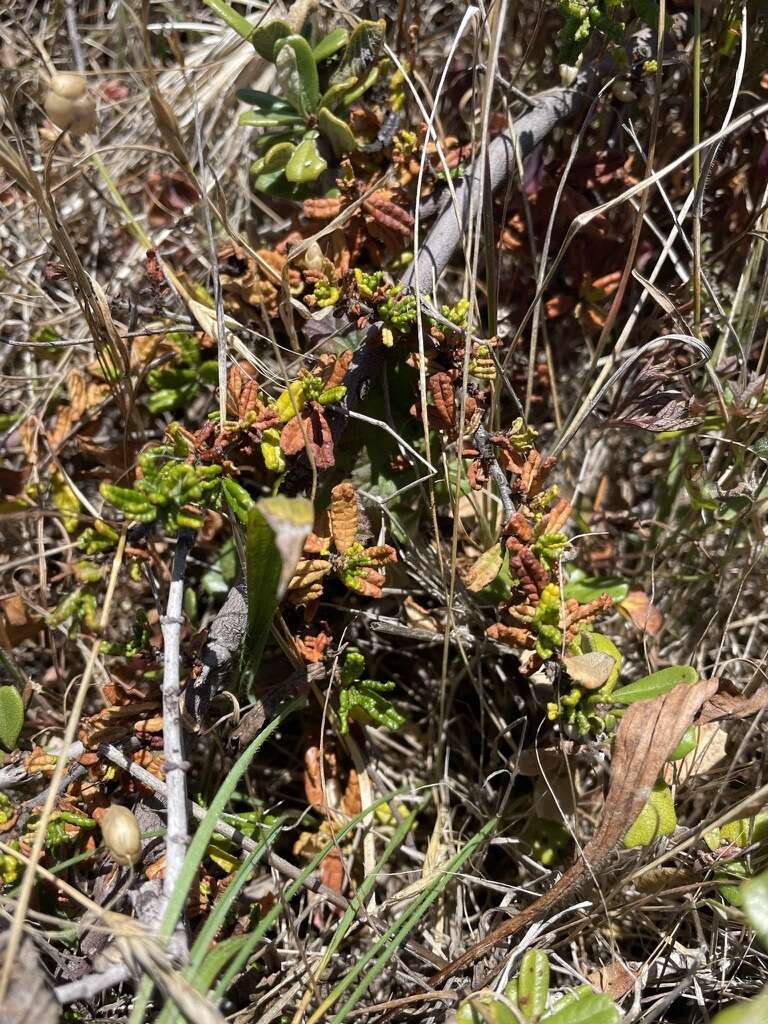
{"x": 91, "y": 985}
{"x": 177, "y": 837}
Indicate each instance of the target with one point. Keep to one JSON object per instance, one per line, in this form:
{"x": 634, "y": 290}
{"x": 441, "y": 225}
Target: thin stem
{"x": 696, "y": 166}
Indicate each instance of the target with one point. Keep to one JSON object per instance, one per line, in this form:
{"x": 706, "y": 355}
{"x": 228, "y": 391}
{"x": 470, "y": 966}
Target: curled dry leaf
{"x": 647, "y": 734}
{"x": 345, "y": 516}
{"x": 312, "y": 425}
{"x": 589, "y": 670}
{"x": 637, "y": 607}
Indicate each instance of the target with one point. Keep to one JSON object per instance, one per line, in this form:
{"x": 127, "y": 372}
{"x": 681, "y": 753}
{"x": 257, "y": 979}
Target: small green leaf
{"x": 265, "y": 101}
{"x": 66, "y": 501}
{"x": 305, "y": 164}
{"x": 357, "y": 91}
{"x": 332, "y": 96}
{"x": 253, "y": 120}
{"x": 11, "y": 717}
{"x": 655, "y": 685}
{"x": 297, "y": 74}
{"x": 656, "y": 819}
{"x": 265, "y": 36}
{"x": 330, "y": 44}
{"x": 686, "y": 745}
{"x": 533, "y": 984}
{"x": 263, "y": 566}
{"x": 362, "y": 52}
{"x": 754, "y": 896}
{"x": 239, "y": 499}
{"x": 230, "y": 17}
{"x": 583, "y": 588}
{"x": 277, "y": 157}
{"x": 337, "y": 132}
{"x": 584, "y": 1006}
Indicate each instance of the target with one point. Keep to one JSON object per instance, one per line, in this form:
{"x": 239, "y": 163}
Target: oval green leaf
{"x": 584, "y": 1006}
{"x": 337, "y": 132}
{"x": 11, "y": 717}
{"x": 655, "y": 684}
{"x": 297, "y": 74}
{"x": 305, "y": 164}
{"x": 265, "y": 36}
{"x": 330, "y": 44}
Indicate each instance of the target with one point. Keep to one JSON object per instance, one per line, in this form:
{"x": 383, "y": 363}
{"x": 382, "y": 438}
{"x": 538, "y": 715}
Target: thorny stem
{"x": 176, "y": 837}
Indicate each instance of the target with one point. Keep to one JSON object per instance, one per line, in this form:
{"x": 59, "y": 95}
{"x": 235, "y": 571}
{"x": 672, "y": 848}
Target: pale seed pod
{"x": 121, "y": 834}
{"x": 69, "y": 105}
{"x": 68, "y": 85}
{"x": 313, "y": 257}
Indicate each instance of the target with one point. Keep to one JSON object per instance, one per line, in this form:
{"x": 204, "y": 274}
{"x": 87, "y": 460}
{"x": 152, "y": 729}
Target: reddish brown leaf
{"x": 318, "y": 435}
{"x": 637, "y": 607}
{"x": 345, "y": 516}
{"x": 441, "y": 388}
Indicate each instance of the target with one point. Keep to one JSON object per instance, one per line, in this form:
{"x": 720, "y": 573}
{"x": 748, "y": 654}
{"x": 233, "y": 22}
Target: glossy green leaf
{"x": 297, "y": 74}
{"x": 336, "y": 131}
{"x": 357, "y": 91}
{"x": 655, "y": 685}
{"x": 686, "y": 745}
{"x": 265, "y": 101}
{"x": 253, "y": 120}
{"x": 362, "y": 52}
{"x": 584, "y": 1006}
{"x": 238, "y": 498}
{"x": 754, "y": 901}
{"x": 277, "y": 157}
{"x": 333, "y": 96}
{"x": 265, "y": 36}
{"x": 305, "y": 164}
{"x": 11, "y": 717}
{"x": 230, "y": 17}
{"x": 330, "y": 44}
{"x": 533, "y": 984}
{"x": 583, "y": 588}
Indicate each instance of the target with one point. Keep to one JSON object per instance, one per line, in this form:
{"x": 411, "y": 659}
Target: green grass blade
{"x": 385, "y": 948}
{"x": 202, "y": 838}
{"x": 269, "y": 919}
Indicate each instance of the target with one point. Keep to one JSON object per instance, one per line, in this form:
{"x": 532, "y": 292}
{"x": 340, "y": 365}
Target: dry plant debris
{"x": 383, "y": 508}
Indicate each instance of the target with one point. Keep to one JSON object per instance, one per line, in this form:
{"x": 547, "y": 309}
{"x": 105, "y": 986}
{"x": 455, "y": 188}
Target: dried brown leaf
{"x": 637, "y": 607}
{"x": 345, "y": 516}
